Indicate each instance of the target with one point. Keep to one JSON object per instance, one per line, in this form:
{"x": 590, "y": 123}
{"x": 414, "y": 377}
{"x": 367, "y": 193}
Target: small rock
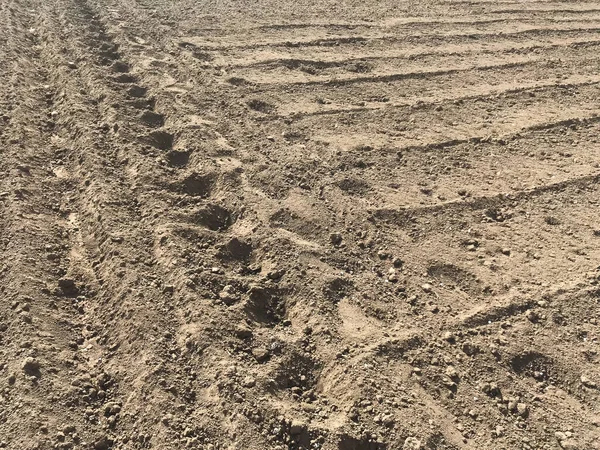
{"x": 427, "y": 287}
{"x": 491, "y": 389}
{"x": 449, "y": 337}
{"x": 275, "y": 274}
{"x": 260, "y": 354}
{"x": 111, "y": 408}
{"x": 243, "y": 332}
{"x": 452, "y": 373}
{"x": 71, "y": 65}
{"x": 522, "y": 409}
{"x": 67, "y": 286}
{"x": 388, "y": 421}
{"x": 336, "y": 239}
{"x": 569, "y": 444}
{"x": 470, "y": 349}
{"x": 297, "y": 427}
{"x": 228, "y": 295}
{"x": 412, "y": 443}
{"x": 587, "y": 382}
{"x": 560, "y": 436}
{"x": 249, "y": 382}
{"x": 532, "y": 316}
{"x": 382, "y": 254}
{"x": 25, "y": 317}
{"x": 30, "y": 365}
{"x": 103, "y": 443}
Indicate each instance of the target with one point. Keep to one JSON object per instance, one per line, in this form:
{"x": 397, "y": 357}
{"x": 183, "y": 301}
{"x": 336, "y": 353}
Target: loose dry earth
{"x": 342, "y": 225}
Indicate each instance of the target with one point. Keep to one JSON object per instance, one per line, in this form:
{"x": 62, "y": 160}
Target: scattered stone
{"x": 532, "y": 316}
{"x": 71, "y": 65}
{"x": 506, "y": 251}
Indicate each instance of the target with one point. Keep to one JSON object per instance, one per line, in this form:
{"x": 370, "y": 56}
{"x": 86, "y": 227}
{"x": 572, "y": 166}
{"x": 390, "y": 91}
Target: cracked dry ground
{"x": 299, "y": 225}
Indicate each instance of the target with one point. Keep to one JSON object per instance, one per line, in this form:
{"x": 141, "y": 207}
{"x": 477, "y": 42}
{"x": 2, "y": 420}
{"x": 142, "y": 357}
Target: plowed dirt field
{"x": 272, "y": 224}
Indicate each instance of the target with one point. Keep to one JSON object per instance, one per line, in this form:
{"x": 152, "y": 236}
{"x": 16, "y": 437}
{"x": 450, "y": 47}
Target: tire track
{"x": 40, "y": 313}
{"x": 130, "y": 313}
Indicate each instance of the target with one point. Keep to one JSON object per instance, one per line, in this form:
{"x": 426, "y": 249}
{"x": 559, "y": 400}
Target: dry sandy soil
{"x": 308, "y": 224}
